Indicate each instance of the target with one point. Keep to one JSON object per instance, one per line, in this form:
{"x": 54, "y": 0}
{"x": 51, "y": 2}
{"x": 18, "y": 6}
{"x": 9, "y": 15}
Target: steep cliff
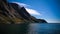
{"x": 22, "y": 11}
{"x": 13, "y": 13}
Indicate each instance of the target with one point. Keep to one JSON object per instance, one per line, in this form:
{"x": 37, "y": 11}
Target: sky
{"x": 42, "y": 9}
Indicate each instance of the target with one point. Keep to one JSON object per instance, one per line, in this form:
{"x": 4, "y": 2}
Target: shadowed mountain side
{"x": 38, "y": 20}
{"x": 13, "y": 13}
{"x": 9, "y": 15}
{"x": 22, "y": 11}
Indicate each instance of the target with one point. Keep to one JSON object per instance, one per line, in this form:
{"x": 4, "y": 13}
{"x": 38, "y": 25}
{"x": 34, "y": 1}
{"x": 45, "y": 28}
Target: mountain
{"x": 27, "y": 16}
{"x": 12, "y": 13}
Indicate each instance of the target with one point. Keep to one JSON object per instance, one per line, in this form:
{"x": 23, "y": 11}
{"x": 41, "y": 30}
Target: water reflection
{"x": 33, "y": 28}
{"x": 36, "y": 28}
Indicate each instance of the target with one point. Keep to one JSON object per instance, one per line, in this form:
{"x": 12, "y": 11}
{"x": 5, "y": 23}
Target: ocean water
{"x": 33, "y": 28}
{"x": 45, "y": 28}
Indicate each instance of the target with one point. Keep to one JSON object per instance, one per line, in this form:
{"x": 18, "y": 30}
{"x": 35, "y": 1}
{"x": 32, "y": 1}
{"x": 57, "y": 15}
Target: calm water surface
{"x": 34, "y": 28}
{"x": 46, "y": 28}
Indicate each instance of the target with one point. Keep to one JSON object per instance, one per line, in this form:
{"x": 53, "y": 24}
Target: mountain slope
{"x": 12, "y": 13}
{"x": 22, "y": 11}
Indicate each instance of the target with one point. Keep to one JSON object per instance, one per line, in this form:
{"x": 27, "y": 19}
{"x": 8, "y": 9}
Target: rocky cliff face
{"x": 12, "y": 13}
{"x": 22, "y": 11}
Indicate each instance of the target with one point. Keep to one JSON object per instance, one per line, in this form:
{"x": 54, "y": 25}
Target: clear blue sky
{"x": 50, "y": 9}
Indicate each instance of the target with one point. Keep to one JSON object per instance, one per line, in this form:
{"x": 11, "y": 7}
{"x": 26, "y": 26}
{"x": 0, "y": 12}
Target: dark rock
{"x": 41, "y": 21}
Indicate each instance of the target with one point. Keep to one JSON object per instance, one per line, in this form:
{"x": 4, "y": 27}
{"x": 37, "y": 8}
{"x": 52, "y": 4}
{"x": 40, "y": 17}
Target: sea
{"x": 45, "y": 28}
{"x": 33, "y": 28}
